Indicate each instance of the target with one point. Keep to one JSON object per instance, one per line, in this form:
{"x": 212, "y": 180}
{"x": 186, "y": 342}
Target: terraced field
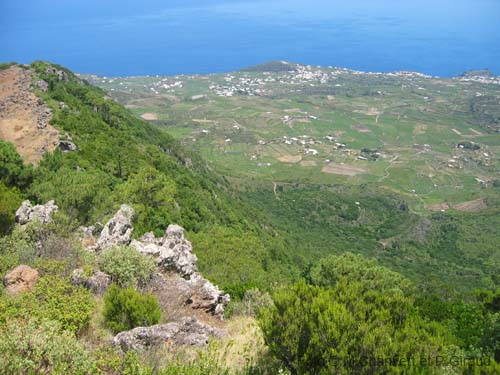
{"x": 434, "y": 141}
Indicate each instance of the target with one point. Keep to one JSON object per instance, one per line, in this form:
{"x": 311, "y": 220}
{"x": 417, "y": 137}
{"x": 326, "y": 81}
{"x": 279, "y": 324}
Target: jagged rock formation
{"x": 24, "y": 118}
{"x": 61, "y": 74}
{"x": 41, "y": 212}
{"x": 180, "y": 288}
{"x": 21, "y": 279}
{"x": 172, "y": 252}
{"x": 188, "y": 331}
{"x": 98, "y": 282}
{"x": 117, "y": 231}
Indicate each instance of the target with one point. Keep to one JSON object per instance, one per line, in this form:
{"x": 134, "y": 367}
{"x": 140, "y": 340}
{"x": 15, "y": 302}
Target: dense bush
{"x": 80, "y": 193}
{"x": 125, "y": 309}
{"x": 12, "y": 170}
{"x": 126, "y": 266}
{"x": 71, "y": 306}
{"x": 18, "y": 247}
{"x": 345, "y": 329}
{"x": 31, "y": 347}
{"x": 332, "y": 269}
{"x": 10, "y": 200}
{"x": 152, "y": 194}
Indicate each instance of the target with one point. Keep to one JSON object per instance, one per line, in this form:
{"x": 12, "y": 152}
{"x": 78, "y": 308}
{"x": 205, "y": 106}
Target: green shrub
{"x": 71, "y": 306}
{"x": 12, "y": 170}
{"x": 28, "y": 347}
{"x": 332, "y": 269}
{"x": 18, "y": 247}
{"x": 125, "y": 309}
{"x": 341, "y": 330}
{"x": 10, "y": 200}
{"x": 126, "y": 266}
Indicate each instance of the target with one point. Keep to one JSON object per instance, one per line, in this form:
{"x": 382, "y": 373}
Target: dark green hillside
{"x": 122, "y": 159}
{"x": 453, "y": 249}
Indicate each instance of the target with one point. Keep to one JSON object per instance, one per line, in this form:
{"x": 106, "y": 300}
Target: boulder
{"x": 118, "y": 230}
{"x": 67, "y": 146}
{"x": 41, "y": 212}
{"x": 42, "y": 85}
{"x": 21, "y": 279}
{"x": 98, "y": 282}
{"x": 187, "y": 331}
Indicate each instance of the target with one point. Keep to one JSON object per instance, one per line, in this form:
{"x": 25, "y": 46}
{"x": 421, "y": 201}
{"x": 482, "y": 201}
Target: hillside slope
{"x": 117, "y": 158}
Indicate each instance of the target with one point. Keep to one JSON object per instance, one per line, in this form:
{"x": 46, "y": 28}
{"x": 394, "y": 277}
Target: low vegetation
{"x": 339, "y": 278}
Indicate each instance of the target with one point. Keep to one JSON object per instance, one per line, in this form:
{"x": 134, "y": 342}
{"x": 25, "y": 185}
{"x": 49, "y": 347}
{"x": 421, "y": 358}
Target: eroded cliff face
{"x": 24, "y": 117}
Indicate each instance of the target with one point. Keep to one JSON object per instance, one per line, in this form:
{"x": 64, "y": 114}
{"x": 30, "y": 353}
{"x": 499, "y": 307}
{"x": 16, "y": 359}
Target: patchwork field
{"x": 436, "y": 141}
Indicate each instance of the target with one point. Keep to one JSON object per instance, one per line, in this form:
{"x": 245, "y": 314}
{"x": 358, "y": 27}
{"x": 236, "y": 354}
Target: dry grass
{"x": 150, "y": 116}
{"x": 437, "y": 207}
{"x": 341, "y": 169}
{"x": 471, "y": 206}
{"x": 308, "y": 163}
{"x": 290, "y": 158}
{"x": 361, "y": 129}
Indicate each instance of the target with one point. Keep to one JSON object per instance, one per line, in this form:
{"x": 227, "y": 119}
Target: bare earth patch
{"x": 150, "y": 116}
{"x": 202, "y": 121}
{"x": 456, "y": 131}
{"x": 419, "y": 129}
{"x": 290, "y": 158}
{"x": 372, "y": 111}
{"x": 24, "y": 118}
{"x": 342, "y": 169}
{"x": 302, "y": 120}
{"x": 475, "y": 131}
{"x": 471, "y": 206}
{"x": 361, "y": 129}
{"x": 437, "y": 207}
{"x": 292, "y": 110}
{"x": 308, "y": 163}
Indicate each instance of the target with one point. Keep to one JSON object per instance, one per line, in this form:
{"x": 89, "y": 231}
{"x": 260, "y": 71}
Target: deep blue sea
{"x": 125, "y": 37}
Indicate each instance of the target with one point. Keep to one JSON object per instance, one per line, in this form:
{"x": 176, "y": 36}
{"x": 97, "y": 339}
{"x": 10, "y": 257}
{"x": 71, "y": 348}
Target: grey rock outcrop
{"x": 61, "y": 74}
{"x": 118, "y": 230}
{"x": 44, "y": 116}
{"x": 172, "y": 252}
{"x": 98, "y": 282}
{"x": 187, "y": 331}
{"x": 28, "y": 213}
{"x": 180, "y": 284}
{"x": 67, "y": 146}
{"x": 42, "y": 85}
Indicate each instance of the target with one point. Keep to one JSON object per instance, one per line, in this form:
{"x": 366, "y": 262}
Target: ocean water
{"x": 130, "y": 37}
